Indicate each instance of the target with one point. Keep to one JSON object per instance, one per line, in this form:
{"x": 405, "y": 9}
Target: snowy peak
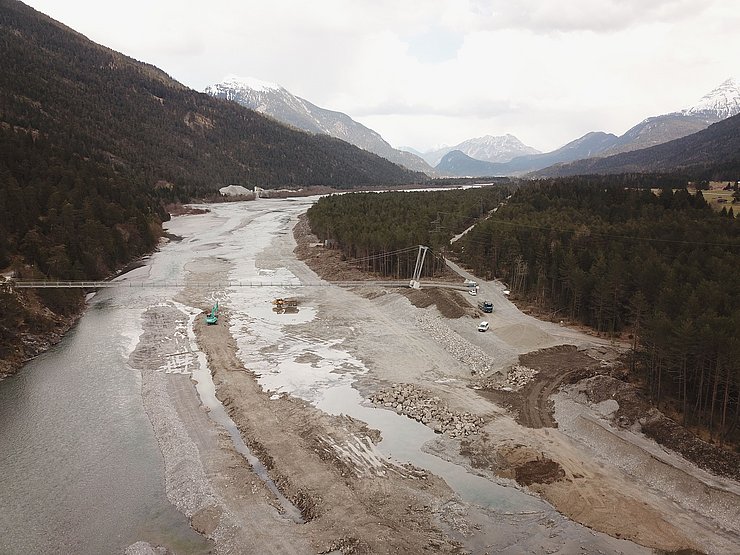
{"x": 495, "y": 149}
{"x": 243, "y": 84}
{"x": 489, "y": 148}
{"x": 249, "y": 92}
{"x": 720, "y": 103}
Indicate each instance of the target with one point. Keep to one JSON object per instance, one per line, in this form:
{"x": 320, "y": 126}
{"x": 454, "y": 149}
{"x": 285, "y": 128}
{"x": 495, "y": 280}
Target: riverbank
{"x": 38, "y": 329}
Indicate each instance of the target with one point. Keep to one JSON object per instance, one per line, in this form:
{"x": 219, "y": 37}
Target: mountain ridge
{"x": 715, "y": 149}
{"x": 277, "y": 102}
{"x": 134, "y": 116}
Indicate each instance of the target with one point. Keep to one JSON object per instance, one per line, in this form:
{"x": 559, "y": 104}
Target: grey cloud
{"x": 583, "y": 15}
{"x": 480, "y": 108}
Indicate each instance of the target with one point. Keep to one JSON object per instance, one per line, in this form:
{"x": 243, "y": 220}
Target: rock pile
{"x": 472, "y": 356}
{"x": 517, "y": 377}
{"x": 418, "y": 404}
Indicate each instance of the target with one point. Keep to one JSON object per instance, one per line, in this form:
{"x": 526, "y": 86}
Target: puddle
{"x": 403, "y": 440}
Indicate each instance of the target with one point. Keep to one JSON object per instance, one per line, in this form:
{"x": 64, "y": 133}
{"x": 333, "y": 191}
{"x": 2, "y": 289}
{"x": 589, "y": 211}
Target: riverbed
{"x": 91, "y": 466}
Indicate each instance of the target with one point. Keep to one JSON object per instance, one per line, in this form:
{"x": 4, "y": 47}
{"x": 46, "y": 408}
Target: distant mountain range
{"x": 275, "y": 101}
{"x": 718, "y": 104}
{"x": 591, "y": 144}
{"x": 488, "y": 148}
{"x": 713, "y": 152}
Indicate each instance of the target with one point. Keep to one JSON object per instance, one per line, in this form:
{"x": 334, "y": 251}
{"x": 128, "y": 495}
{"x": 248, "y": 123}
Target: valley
{"x": 298, "y": 386}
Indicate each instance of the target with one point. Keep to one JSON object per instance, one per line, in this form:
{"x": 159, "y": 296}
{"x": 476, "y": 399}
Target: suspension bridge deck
{"x": 42, "y": 284}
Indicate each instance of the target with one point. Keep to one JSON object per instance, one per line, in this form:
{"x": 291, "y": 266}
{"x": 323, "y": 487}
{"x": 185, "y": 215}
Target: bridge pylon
{"x": 415, "y": 282}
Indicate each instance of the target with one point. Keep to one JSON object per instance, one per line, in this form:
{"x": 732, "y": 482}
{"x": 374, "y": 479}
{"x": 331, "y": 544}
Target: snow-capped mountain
{"x": 277, "y": 102}
{"x": 456, "y": 163}
{"x": 488, "y": 148}
{"x": 721, "y": 103}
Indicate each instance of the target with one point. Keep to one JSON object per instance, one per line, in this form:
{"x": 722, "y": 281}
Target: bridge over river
{"x": 47, "y": 284}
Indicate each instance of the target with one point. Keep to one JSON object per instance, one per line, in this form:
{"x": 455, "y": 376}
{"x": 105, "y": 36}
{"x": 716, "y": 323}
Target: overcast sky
{"x": 428, "y": 72}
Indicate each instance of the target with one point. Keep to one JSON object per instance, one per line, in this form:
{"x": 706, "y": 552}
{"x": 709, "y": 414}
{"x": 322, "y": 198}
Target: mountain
{"x": 275, "y": 101}
{"x": 458, "y": 164}
{"x": 721, "y": 103}
{"x": 104, "y": 105}
{"x": 714, "y": 151}
{"x": 591, "y": 144}
{"x": 718, "y": 104}
{"x": 488, "y": 149}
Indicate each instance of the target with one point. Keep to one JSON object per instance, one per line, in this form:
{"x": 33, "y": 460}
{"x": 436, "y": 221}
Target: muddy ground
{"x": 536, "y": 424}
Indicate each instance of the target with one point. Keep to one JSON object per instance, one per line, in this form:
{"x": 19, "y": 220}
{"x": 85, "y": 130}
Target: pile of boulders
{"x": 420, "y": 405}
{"x": 517, "y": 377}
{"x": 474, "y": 357}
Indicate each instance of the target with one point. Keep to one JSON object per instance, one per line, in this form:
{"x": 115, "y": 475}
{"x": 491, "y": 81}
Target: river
{"x": 81, "y": 471}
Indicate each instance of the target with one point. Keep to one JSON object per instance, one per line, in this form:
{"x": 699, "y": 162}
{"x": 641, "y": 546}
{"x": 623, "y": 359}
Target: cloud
{"x": 440, "y": 71}
{"x": 580, "y": 15}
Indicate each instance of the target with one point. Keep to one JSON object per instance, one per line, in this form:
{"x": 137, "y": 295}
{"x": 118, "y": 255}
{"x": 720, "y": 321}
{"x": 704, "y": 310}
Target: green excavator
{"x": 212, "y": 318}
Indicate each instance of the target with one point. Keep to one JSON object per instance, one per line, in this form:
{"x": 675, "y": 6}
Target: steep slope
{"x": 275, "y": 101}
{"x": 488, "y": 148}
{"x": 715, "y": 150}
{"x": 131, "y": 115}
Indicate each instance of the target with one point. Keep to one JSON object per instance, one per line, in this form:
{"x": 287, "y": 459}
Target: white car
{"x": 473, "y": 291}
{"x": 483, "y": 326}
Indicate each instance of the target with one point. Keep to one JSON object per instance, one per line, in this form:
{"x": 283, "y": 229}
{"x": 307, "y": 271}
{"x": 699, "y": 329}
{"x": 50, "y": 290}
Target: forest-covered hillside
{"x": 133, "y": 117}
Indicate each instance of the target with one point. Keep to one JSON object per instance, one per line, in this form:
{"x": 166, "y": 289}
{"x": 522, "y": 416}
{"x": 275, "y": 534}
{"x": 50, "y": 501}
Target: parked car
{"x": 473, "y": 291}
{"x": 483, "y": 326}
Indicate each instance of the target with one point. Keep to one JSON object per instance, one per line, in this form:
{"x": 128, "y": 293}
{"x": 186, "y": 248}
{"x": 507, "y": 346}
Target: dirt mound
{"x": 554, "y": 366}
{"x": 449, "y": 302}
{"x": 540, "y": 471}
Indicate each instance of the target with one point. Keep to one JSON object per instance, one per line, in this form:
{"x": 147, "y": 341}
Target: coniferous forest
{"x": 608, "y": 252}
{"x": 660, "y": 265}
{"x": 383, "y": 230}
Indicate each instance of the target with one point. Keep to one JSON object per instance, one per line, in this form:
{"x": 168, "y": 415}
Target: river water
{"x": 80, "y": 469}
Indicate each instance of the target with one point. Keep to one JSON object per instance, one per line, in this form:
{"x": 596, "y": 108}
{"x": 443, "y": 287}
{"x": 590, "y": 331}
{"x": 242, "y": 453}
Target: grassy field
{"x": 718, "y": 198}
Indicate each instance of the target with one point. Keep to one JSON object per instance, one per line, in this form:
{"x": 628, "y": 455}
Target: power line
{"x": 609, "y": 235}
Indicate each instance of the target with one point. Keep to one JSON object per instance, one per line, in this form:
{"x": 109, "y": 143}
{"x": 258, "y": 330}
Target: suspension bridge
{"x": 415, "y": 282}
